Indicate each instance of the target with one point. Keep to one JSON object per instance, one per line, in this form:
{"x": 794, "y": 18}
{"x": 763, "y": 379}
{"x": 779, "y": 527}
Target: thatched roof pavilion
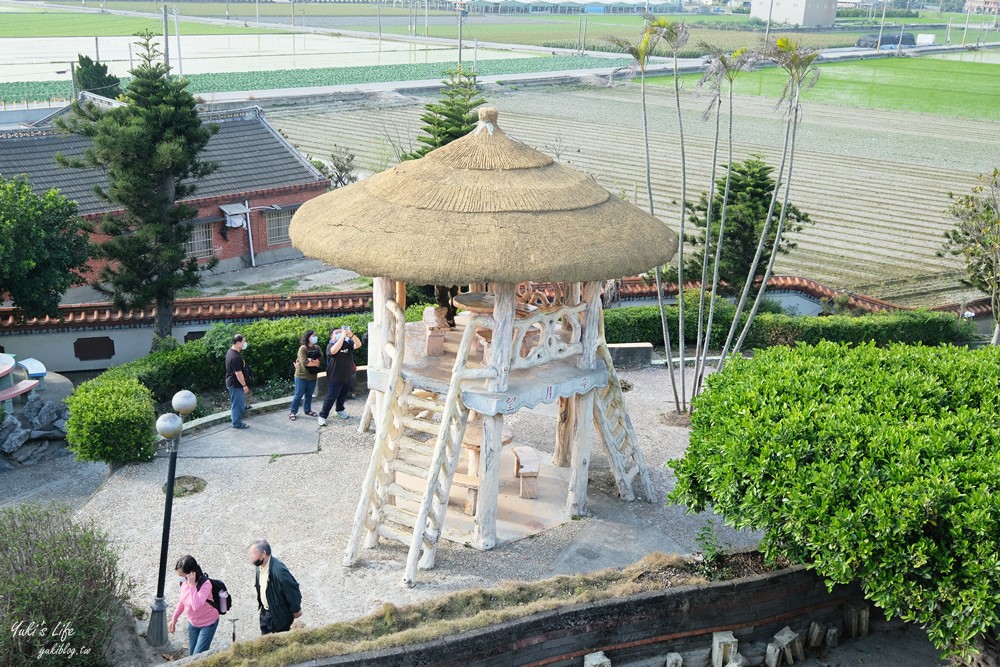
{"x": 484, "y": 208}
{"x": 489, "y": 212}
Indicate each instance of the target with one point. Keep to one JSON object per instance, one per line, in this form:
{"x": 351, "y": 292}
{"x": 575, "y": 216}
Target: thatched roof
{"x": 484, "y": 208}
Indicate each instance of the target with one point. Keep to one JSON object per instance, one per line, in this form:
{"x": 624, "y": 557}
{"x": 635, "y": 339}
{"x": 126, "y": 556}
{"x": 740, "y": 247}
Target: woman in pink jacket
{"x": 196, "y": 592}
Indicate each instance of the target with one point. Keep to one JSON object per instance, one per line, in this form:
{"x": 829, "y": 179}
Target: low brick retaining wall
{"x": 634, "y": 628}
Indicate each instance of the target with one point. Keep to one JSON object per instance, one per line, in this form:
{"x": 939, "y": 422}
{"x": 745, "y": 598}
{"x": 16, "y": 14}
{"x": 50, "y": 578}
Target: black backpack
{"x": 218, "y": 587}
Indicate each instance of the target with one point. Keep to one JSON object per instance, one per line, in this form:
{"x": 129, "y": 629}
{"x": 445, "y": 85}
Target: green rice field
{"x": 72, "y": 24}
{"x": 250, "y": 8}
{"x": 928, "y": 85}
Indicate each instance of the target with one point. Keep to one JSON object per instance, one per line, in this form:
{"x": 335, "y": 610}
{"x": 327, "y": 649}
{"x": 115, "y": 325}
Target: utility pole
{"x": 72, "y": 76}
{"x": 947, "y": 36}
{"x": 767, "y": 29}
{"x": 967, "y": 15}
{"x": 97, "y": 50}
{"x": 166, "y": 38}
{"x": 881, "y": 27}
{"x": 177, "y": 31}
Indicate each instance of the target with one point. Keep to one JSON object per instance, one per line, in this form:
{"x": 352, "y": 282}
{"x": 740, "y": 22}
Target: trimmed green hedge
{"x": 871, "y": 464}
{"x": 111, "y": 419}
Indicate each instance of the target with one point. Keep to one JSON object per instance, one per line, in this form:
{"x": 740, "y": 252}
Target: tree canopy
{"x": 751, "y": 187}
{"x": 149, "y": 148}
{"x": 976, "y": 238}
{"x": 43, "y": 247}
{"x": 93, "y": 77}
{"x": 450, "y": 117}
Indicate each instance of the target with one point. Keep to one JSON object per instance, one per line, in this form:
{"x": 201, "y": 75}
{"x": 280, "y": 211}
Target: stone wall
{"x": 638, "y": 627}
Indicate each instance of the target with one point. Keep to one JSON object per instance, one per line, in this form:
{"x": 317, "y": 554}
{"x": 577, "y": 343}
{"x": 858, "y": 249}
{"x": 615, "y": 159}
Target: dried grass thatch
{"x": 484, "y": 208}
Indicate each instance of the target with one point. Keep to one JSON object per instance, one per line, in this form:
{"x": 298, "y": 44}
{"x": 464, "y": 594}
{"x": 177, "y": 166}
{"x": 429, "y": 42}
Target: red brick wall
{"x": 236, "y": 244}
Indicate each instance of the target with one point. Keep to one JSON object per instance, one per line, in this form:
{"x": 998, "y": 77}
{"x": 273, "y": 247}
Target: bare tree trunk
{"x": 680, "y": 232}
{"x": 988, "y": 646}
{"x": 163, "y": 323}
{"x": 777, "y": 232}
{"x": 704, "y": 259}
{"x": 996, "y": 334}
{"x": 700, "y": 373}
{"x": 659, "y": 281}
{"x": 752, "y": 273}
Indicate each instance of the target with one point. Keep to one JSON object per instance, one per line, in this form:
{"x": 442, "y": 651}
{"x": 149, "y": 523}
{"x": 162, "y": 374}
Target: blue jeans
{"x": 238, "y": 403}
{"x": 200, "y": 639}
{"x": 303, "y": 389}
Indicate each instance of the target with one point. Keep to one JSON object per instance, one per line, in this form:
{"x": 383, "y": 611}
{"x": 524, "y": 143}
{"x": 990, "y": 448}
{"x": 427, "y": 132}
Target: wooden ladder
{"x": 392, "y": 507}
{"x": 617, "y": 434}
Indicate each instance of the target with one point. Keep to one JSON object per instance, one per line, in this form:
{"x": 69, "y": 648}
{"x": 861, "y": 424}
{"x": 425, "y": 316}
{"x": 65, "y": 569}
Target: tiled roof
{"x": 250, "y": 154}
{"x": 263, "y": 306}
{"x": 269, "y": 306}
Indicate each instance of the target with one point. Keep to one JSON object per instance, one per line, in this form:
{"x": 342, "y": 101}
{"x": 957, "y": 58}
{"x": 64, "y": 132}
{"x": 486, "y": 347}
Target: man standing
{"x": 339, "y": 371}
{"x": 236, "y": 380}
{"x": 278, "y": 596}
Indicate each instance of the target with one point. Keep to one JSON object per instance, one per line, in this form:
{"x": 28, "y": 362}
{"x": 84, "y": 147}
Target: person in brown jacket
{"x": 308, "y": 363}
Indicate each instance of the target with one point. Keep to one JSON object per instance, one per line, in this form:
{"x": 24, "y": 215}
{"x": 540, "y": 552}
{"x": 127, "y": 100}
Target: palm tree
{"x": 675, "y": 35}
{"x": 640, "y": 52}
{"x": 720, "y": 67}
{"x": 799, "y": 65}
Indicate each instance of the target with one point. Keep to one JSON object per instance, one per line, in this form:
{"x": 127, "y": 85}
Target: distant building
{"x": 983, "y": 6}
{"x": 244, "y": 206}
{"x": 808, "y": 13}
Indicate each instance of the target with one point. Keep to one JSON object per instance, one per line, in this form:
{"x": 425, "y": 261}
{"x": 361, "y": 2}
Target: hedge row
{"x": 870, "y": 464}
{"x": 199, "y": 365}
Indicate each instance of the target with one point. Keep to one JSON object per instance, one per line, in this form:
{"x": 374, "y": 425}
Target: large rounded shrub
{"x": 111, "y": 419}
{"x": 61, "y": 590}
{"x": 868, "y": 464}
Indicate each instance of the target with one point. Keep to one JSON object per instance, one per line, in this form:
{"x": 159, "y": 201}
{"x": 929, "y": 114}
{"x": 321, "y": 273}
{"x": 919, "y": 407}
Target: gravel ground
{"x": 62, "y": 479}
{"x": 304, "y": 506}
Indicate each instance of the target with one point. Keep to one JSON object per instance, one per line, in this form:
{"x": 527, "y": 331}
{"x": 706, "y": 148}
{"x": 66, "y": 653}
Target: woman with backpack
{"x": 196, "y": 600}
{"x": 308, "y": 364}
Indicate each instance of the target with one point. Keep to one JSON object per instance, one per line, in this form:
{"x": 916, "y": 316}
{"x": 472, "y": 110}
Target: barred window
{"x": 200, "y": 243}
{"x": 277, "y": 226}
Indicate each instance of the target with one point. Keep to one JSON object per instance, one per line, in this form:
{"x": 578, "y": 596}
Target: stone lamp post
{"x": 169, "y": 426}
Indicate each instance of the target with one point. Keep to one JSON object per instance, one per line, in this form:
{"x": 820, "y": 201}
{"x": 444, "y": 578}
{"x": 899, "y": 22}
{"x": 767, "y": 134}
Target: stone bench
{"x": 35, "y": 371}
{"x": 7, "y": 395}
{"x": 526, "y": 462}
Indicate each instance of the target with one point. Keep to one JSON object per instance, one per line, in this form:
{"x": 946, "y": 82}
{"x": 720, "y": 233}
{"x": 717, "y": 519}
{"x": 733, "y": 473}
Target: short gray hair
{"x": 262, "y": 547}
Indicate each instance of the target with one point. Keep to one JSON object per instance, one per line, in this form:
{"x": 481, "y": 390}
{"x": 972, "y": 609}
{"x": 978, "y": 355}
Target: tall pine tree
{"x": 450, "y": 117}
{"x": 149, "y": 149}
{"x": 444, "y": 121}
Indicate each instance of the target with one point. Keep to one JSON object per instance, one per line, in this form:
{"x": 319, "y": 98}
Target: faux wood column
{"x": 401, "y": 294}
{"x": 564, "y": 428}
{"x": 489, "y": 451}
{"x": 583, "y": 406}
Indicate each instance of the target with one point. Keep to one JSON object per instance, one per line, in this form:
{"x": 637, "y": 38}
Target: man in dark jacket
{"x": 278, "y": 597}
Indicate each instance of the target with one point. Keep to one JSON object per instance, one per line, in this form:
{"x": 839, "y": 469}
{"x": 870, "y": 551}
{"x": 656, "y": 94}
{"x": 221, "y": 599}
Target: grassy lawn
{"x": 943, "y": 87}
{"x": 72, "y": 24}
{"x": 250, "y": 8}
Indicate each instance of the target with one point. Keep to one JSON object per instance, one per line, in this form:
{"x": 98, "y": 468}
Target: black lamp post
{"x": 169, "y": 426}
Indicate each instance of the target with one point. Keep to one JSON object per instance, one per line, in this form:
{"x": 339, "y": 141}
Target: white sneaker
{"x": 343, "y": 415}
{"x": 322, "y": 422}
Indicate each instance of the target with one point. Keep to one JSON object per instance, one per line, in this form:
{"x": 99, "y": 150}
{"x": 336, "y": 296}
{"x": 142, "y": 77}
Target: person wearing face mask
{"x": 278, "y": 596}
{"x": 196, "y": 592}
{"x": 308, "y": 363}
{"x": 236, "y": 380}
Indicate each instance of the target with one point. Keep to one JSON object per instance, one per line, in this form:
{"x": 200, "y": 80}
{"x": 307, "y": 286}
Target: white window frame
{"x": 278, "y": 234}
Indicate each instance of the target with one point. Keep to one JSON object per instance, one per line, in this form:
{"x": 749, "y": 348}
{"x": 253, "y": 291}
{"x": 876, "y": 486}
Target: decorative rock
{"x": 724, "y": 648}
{"x": 45, "y": 416}
{"x": 790, "y": 643}
{"x": 816, "y": 634}
{"x": 12, "y": 435}
{"x": 32, "y": 407}
{"x": 31, "y": 453}
{"x": 738, "y": 661}
{"x": 596, "y": 660}
{"x": 674, "y": 660}
{"x": 772, "y": 658}
{"x": 64, "y": 415}
{"x": 832, "y": 637}
{"x": 46, "y": 435}
{"x": 60, "y": 424}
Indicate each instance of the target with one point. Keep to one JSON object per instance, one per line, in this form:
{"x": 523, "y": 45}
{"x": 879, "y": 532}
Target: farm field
{"x": 52, "y": 23}
{"x": 266, "y": 8}
{"x": 876, "y": 186}
{"x": 935, "y": 85}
